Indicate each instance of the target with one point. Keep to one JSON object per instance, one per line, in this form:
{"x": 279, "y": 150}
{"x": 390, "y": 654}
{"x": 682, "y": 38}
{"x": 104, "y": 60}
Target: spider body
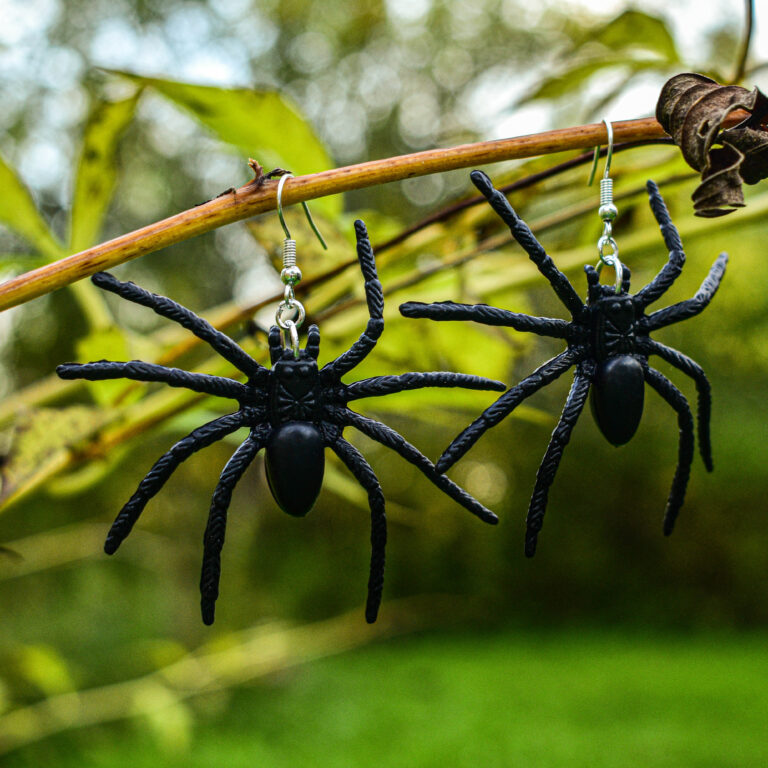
{"x": 295, "y": 447}
{"x": 617, "y": 394}
{"x": 608, "y": 342}
{"x": 294, "y": 410}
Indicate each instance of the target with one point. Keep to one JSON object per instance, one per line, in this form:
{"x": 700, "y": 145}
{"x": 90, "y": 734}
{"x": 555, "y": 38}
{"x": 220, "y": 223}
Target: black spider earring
{"x": 292, "y": 409}
{"x": 608, "y": 341}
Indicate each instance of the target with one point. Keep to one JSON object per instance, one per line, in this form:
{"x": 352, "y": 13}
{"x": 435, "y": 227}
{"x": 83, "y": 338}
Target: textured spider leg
{"x": 482, "y": 313}
{"x": 387, "y": 436}
{"x": 492, "y": 415}
{"x": 312, "y": 347}
{"x": 669, "y": 272}
{"x": 387, "y": 385}
{"x": 690, "y": 307}
{"x": 375, "y": 298}
{"x": 165, "y": 307}
{"x": 137, "y": 370}
{"x": 275, "y": 339}
{"x": 685, "y": 449}
{"x": 551, "y": 461}
{"x": 213, "y": 541}
{"x": 696, "y": 372}
{"x": 163, "y": 468}
{"x": 521, "y": 232}
{"x": 365, "y": 475}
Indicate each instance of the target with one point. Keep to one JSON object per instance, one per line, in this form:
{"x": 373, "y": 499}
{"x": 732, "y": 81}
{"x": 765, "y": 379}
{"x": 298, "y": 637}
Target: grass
{"x": 546, "y": 700}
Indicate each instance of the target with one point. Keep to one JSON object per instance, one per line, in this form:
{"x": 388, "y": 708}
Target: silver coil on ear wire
{"x": 290, "y": 312}
{"x": 607, "y": 248}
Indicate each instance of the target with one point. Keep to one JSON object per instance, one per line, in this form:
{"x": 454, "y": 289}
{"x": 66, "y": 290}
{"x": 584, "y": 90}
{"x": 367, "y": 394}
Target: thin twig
{"x": 257, "y": 197}
{"x": 749, "y": 7}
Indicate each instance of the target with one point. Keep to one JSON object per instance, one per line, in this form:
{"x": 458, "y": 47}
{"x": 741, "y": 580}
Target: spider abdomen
{"x": 617, "y": 396}
{"x": 295, "y": 462}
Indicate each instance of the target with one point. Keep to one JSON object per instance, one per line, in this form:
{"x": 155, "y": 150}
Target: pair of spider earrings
{"x": 296, "y": 410}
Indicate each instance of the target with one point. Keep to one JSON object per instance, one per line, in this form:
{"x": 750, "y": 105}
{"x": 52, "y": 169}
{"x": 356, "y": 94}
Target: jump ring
{"x": 602, "y": 243}
{"x": 294, "y": 334}
{"x": 612, "y": 260}
{"x": 294, "y": 307}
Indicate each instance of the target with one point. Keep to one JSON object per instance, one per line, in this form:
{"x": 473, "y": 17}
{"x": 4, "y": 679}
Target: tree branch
{"x": 258, "y": 196}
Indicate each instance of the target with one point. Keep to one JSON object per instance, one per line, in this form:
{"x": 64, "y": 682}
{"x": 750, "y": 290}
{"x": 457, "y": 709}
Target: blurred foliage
{"x": 628, "y": 45}
{"x": 88, "y": 640}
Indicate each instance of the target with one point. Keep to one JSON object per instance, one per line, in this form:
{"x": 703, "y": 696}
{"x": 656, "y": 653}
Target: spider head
{"x": 297, "y": 376}
{"x": 617, "y": 311}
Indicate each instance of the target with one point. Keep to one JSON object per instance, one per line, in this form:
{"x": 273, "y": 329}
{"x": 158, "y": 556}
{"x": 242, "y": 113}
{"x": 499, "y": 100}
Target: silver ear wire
{"x": 607, "y": 212}
{"x": 290, "y": 312}
{"x": 311, "y": 221}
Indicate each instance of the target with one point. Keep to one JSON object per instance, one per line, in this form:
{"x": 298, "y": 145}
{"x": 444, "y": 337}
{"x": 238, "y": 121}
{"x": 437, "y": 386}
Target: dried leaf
{"x": 692, "y": 109}
{"x": 754, "y": 147}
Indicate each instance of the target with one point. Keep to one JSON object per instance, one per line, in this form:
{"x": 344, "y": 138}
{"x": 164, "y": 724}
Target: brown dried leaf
{"x": 692, "y": 109}
{"x": 754, "y": 147}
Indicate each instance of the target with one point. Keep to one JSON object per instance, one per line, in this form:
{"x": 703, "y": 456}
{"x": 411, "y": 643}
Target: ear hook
{"x": 290, "y": 312}
{"x": 608, "y": 155}
{"x": 311, "y": 221}
{"x": 607, "y": 212}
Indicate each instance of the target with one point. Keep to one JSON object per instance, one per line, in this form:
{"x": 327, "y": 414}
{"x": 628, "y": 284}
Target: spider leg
{"x": 690, "y": 307}
{"x": 137, "y": 370}
{"x": 482, "y": 313}
{"x": 275, "y": 340}
{"x": 387, "y": 436}
{"x": 365, "y": 475}
{"x": 677, "y": 400}
{"x": 669, "y": 272}
{"x": 166, "y": 307}
{"x": 551, "y": 461}
{"x": 521, "y": 232}
{"x": 492, "y": 415}
{"x": 387, "y": 385}
{"x": 696, "y": 372}
{"x": 163, "y": 468}
{"x": 375, "y": 297}
{"x": 213, "y": 541}
{"x": 312, "y": 346}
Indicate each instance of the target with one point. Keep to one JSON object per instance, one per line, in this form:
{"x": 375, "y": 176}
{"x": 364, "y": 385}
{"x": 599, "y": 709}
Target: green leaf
{"x": 45, "y": 668}
{"x": 97, "y": 169}
{"x": 567, "y": 82}
{"x": 25, "y": 261}
{"x": 634, "y": 30}
{"x": 19, "y": 213}
{"x": 104, "y": 344}
{"x": 40, "y": 445}
{"x": 169, "y": 719}
{"x": 633, "y": 40}
{"x": 262, "y": 124}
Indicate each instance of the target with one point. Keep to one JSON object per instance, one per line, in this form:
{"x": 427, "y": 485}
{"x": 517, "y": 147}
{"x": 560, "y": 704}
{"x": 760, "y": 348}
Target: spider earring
{"x": 607, "y": 341}
{"x": 293, "y": 409}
